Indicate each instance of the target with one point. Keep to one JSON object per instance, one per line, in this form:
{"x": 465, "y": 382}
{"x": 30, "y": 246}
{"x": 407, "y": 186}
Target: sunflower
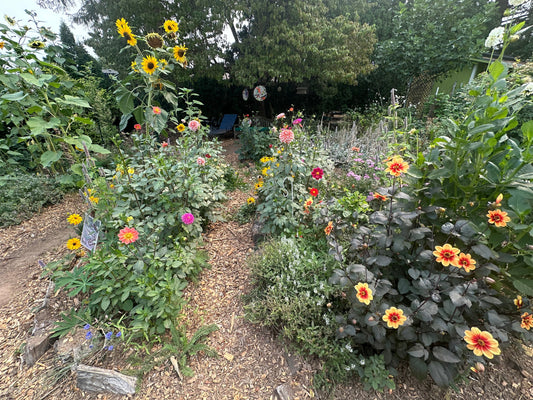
{"x": 170, "y": 26}
{"x": 149, "y": 64}
{"x": 134, "y": 66}
{"x": 163, "y": 62}
{"x": 364, "y": 293}
{"x": 250, "y": 200}
{"x": 36, "y": 44}
{"x": 179, "y": 54}
{"x": 154, "y": 40}
{"x": 122, "y": 26}
{"x": 180, "y": 127}
{"x": 130, "y": 38}
{"x": 481, "y": 343}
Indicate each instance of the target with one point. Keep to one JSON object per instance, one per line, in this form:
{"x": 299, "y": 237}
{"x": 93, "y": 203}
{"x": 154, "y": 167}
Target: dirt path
{"x": 251, "y": 362}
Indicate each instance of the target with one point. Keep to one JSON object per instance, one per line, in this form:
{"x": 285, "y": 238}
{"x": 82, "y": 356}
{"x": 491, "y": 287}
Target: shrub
{"x": 23, "y": 195}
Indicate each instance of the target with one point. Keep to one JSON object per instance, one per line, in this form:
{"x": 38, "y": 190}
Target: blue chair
{"x": 225, "y": 127}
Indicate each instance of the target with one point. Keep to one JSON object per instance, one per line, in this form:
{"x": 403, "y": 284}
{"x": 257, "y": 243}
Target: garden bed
{"x": 251, "y": 362}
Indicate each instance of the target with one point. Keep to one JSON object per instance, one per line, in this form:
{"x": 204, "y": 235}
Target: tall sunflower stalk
{"x": 151, "y": 64}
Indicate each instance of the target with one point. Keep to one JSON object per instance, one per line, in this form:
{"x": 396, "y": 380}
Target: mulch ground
{"x": 251, "y": 361}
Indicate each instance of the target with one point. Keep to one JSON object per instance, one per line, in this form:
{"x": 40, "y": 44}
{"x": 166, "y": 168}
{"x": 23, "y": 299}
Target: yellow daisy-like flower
{"x": 447, "y": 255}
{"x": 394, "y": 317}
{"x": 131, "y": 171}
{"x": 94, "y": 199}
{"x": 465, "y": 261}
{"x": 481, "y": 343}
{"x": 179, "y": 54}
{"x": 180, "y": 127}
{"x": 264, "y": 171}
{"x": 364, "y": 293}
{"x": 527, "y": 321}
{"x": 250, "y": 200}
{"x": 130, "y": 218}
{"x": 163, "y": 62}
{"x": 74, "y": 219}
{"x": 258, "y": 185}
{"x": 498, "y": 217}
{"x": 134, "y": 66}
{"x": 2, "y": 44}
{"x": 149, "y": 64}
{"x": 73, "y": 244}
{"x": 170, "y": 26}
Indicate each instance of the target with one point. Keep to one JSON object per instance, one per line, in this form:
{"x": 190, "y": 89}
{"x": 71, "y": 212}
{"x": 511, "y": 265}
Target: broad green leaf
{"x": 527, "y": 130}
{"x": 99, "y": 149}
{"x": 125, "y": 102}
{"x": 50, "y": 157}
{"x": 73, "y": 101}
{"x": 417, "y": 351}
{"x": 17, "y": 96}
{"x": 496, "y": 69}
{"x": 418, "y": 367}
{"x": 439, "y": 373}
{"x": 445, "y": 355}
{"x": 105, "y": 303}
{"x": 524, "y": 286}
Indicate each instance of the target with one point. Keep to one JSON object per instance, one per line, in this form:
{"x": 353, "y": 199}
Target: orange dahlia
{"x": 364, "y": 293}
{"x": 465, "y": 261}
{"x": 527, "y": 321}
{"x": 447, "y": 255}
{"x": 328, "y": 228}
{"x": 397, "y": 166}
{"x": 498, "y": 217}
{"x": 481, "y": 343}
{"x": 394, "y": 317}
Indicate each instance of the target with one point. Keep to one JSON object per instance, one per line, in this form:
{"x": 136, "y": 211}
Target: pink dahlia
{"x": 194, "y": 125}
{"x": 200, "y": 161}
{"x": 187, "y": 218}
{"x": 286, "y": 136}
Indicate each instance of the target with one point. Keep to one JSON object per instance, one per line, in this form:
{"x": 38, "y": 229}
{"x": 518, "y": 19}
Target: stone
{"x": 94, "y": 379}
{"x": 283, "y": 392}
{"x": 40, "y": 340}
{"x": 257, "y": 234}
{"x": 36, "y": 346}
{"x": 74, "y": 346}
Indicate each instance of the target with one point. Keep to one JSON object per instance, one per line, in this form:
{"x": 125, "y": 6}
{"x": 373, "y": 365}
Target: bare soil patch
{"x": 251, "y": 362}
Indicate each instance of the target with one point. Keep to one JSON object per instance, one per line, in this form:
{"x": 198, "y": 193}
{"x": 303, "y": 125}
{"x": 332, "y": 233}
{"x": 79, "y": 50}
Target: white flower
{"x": 495, "y": 37}
{"x": 516, "y": 3}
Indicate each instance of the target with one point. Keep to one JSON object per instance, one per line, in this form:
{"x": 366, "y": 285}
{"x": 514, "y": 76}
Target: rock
{"x": 74, "y": 346}
{"x": 257, "y": 234}
{"x": 36, "y": 346}
{"x": 283, "y": 392}
{"x": 93, "y": 379}
{"x": 40, "y": 341}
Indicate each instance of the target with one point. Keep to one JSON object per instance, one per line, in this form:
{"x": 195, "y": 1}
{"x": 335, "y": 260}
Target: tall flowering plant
{"x": 155, "y": 57}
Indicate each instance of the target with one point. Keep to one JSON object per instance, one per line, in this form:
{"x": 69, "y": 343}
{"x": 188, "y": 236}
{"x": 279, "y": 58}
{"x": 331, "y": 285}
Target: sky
{"x": 48, "y": 18}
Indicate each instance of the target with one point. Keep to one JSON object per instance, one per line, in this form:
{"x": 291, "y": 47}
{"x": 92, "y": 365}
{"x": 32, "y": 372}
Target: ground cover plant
{"x": 434, "y": 262}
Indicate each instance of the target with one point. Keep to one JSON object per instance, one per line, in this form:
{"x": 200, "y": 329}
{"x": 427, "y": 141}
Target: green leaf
{"x": 50, "y": 157}
{"x": 439, "y": 373}
{"x": 524, "y": 286}
{"x": 527, "y": 130}
{"x": 445, "y": 355}
{"x": 418, "y": 367}
{"x": 105, "y": 303}
{"x": 98, "y": 149}
{"x": 73, "y": 101}
{"x": 483, "y": 251}
{"x": 496, "y": 69}
{"x": 125, "y": 102}
{"x": 417, "y": 350}
{"x": 440, "y": 173}
{"x": 17, "y": 96}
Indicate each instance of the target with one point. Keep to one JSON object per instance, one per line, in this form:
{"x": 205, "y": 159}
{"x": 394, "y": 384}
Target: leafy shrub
{"x": 23, "y": 195}
{"x": 254, "y": 141}
{"x": 291, "y": 293}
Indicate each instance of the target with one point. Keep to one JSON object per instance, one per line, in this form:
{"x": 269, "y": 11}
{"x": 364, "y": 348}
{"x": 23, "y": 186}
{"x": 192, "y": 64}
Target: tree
{"x": 77, "y": 56}
{"x": 426, "y": 37}
{"x": 295, "y": 41}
